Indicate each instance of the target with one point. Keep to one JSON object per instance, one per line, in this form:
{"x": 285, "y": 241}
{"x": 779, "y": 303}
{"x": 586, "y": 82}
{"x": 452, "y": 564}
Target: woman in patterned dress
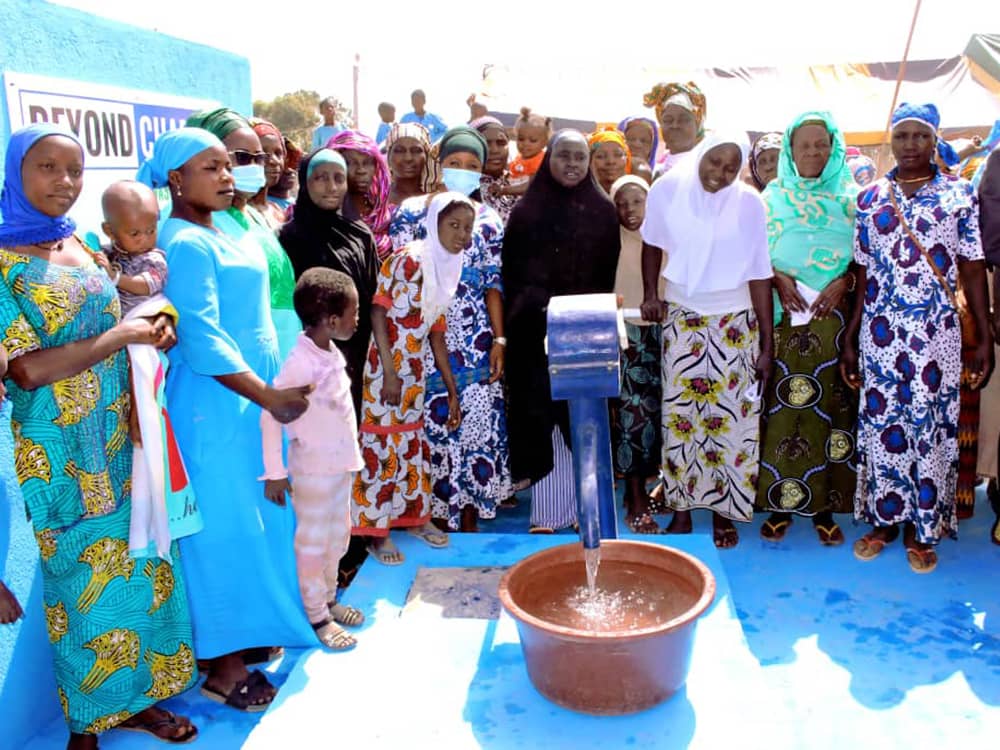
{"x": 495, "y": 175}
{"x": 416, "y": 286}
{"x": 807, "y": 464}
{"x": 911, "y": 342}
{"x": 717, "y": 331}
{"x": 119, "y": 626}
{"x": 470, "y": 470}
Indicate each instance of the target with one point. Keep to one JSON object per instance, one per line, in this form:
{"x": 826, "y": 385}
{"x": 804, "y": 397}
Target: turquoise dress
{"x": 241, "y": 567}
{"x": 119, "y": 627}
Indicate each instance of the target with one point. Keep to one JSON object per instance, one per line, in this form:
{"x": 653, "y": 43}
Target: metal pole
{"x": 883, "y": 150}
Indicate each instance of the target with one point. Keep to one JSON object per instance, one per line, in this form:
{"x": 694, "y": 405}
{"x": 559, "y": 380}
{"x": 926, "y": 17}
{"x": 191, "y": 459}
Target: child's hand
{"x": 454, "y": 412}
{"x": 102, "y": 260}
{"x": 392, "y": 389}
{"x": 275, "y": 489}
{"x": 10, "y": 607}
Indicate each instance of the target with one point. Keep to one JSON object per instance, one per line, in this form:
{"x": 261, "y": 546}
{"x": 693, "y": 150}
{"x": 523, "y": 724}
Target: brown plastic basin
{"x": 606, "y": 673}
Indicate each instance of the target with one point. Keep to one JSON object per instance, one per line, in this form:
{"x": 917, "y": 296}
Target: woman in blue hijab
{"x": 119, "y": 626}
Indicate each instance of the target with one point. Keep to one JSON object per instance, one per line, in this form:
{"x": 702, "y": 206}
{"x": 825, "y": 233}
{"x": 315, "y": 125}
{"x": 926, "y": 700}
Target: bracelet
{"x": 501, "y": 340}
{"x": 116, "y": 278}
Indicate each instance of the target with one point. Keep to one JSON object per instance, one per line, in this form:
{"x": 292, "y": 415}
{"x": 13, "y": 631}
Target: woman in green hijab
{"x": 244, "y": 224}
{"x": 807, "y": 464}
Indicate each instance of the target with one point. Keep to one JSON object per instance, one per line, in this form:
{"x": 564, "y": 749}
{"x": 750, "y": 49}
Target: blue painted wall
{"x": 43, "y": 39}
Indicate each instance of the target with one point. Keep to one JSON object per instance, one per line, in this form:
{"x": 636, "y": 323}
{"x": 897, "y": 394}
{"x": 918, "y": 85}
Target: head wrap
{"x": 928, "y": 115}
{"x": 325, "y": 156}
{"x": 432, "y": 174}
{"x": 486, "y": 121}
{"x": 610, "y": 135}
{"x": 262, "y": 127}
{"x": 441, "y": 269}
{"x": 623, "y": 126}
{"x": 765, "y": 142}
{"x": 811, "y": 220}
{"x": 715, "y": 241}
{"x": 628, "y": 179}
{"x": 220, "y": 122}
{"x": 22, "y": 223}
{"x": 378, "y": 194}
{"x": 686, "y": 95}
{"x": 462, "y": 139}
{"x": 173, "y": 150}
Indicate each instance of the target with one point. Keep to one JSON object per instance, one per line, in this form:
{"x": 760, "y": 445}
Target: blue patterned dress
{"x": 469, "y": 466}
{"x": 910, "y": 353}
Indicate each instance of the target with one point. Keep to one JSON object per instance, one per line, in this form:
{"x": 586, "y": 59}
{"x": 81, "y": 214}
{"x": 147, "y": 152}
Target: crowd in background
{"x": 279, "y": 358}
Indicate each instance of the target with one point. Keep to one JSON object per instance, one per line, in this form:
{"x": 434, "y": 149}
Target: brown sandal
{"x": 333, "y": 636}
{"x": 869, "y": 546}
{"x": 244, "y": 694}
{"x": 155, "y": 728}
{"x": 643, "y": 523}
{"x": 829, "y": 536}
{"x": 774, "y": 531}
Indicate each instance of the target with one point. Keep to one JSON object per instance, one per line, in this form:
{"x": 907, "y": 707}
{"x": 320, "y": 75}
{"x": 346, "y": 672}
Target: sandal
{"x": 869, "y": 546}
{"x": 921, "y": 560}
{"x": 508, "y": 504}
{"x": 155, "y": 728}
{"x": 642, "y": 524}
{"x": 995, "y": 531}
{"x": 245, "y": 695}
{"x": 725, "y": 538}
{"x": 829, "y": 536}
{"x": 345, "y": 615}
{"x": 430, "y": 535}
{"x": 333, "y": 636}
{"x": 541, "y": 530}
{"x": 774, "y": 531}
{"x": 387, "y": 554}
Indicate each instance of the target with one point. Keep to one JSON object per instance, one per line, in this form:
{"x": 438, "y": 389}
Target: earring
{"x": 179, "y": 193}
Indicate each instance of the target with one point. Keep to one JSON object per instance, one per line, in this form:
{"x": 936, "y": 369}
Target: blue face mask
{"x": 462, "y": 181}
{"x": 249, "y": 178}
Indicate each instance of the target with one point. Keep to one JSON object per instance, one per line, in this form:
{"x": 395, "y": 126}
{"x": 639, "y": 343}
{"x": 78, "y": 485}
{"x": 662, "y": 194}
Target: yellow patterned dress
{"x": 119, "y": 626}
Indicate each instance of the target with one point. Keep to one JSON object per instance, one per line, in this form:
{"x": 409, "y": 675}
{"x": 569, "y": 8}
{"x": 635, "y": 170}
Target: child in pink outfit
{"x": 323, "y": 451}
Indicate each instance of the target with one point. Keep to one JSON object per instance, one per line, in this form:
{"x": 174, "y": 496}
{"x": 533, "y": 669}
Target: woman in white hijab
{"x": 416, "y": 285}
{"x": 717, "y": 331}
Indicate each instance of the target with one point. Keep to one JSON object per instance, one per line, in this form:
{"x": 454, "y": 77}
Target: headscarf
{"x": 378, "y": 194}
{"x": 711, "y": 239}
{"x": 324, "y": 156}
{"x": 862, "y": 169}
{"x": 22, "y": 223}
{"x": 624, "y": 125}
{"x": 611, "y": 135}
{"x": 431, "y": 175}
{"x": 926, "y": 114}
{"x": 262, "y": 127}
{"x": 442, "y": 269}
{"x": 173, "y": 150}
{"x": 462, "y": 139}
{"x": 684, "y": 95}
{"x": 810, "y": 221}
{"x": 628, "y": 179}
{"x": 765, "y": 142}
{"x": 486, "y": 121}
{"x": 220, "y": 122}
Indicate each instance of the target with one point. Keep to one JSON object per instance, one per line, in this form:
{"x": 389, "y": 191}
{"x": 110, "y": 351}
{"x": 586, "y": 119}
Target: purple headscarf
{"x": 378, "y": 195}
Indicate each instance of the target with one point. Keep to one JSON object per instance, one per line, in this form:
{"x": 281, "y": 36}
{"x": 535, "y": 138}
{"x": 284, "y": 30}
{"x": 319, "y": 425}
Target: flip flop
{"x": 774, "y": 531}
{"x": 921, "y": 560}
{"x": 241, "y": 696}
{"x": 541, "y": 530}
{"x": 430, "y": 536}
{"x": 346, "y": 615}
{"x": 725, "y": 538}
{"x": 868, "y": 547}
{"x": 150, "y": 727}
{"x": 386, "y": 554}
{"x": 829, "y": 536}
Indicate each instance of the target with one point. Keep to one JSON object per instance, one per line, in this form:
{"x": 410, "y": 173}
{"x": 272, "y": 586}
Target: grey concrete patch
{"x": 469, "y": 593}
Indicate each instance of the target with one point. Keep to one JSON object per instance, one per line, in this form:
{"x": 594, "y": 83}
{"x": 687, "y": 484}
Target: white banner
{"x": 116, "y": 126}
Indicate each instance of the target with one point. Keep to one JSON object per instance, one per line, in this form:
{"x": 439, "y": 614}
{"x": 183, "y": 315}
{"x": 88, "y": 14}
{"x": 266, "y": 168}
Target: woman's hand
{"x": 392, "y": 388}
{"x": 652, "y": 310}
{"x": 849, "y": 366}
{"x": 788, "y": 293}
{"x": 981, "y": 365}
{"x": 763, "y": 367}
{"x": 275, "y": 489}
{"x": 497, "y": 356}
{"x": 454, "y": 412}
{"x": 10, "y": 607}
{"x": 829, "y": 299}
{"x": 168, "y": 333}
{"x": 140, "y": 331}
{"x": 288, "y": 404}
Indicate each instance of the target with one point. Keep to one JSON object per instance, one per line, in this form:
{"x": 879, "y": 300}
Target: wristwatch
{"x": 502, "y": 340}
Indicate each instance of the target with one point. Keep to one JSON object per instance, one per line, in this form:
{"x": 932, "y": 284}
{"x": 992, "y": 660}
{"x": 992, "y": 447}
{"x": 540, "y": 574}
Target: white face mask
{"x": 249, "y": 178}
{"x": 463, "y": 181}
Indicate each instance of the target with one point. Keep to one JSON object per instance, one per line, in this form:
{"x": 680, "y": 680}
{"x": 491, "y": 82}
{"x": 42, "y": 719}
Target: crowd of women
{"x": 811, "y": 343}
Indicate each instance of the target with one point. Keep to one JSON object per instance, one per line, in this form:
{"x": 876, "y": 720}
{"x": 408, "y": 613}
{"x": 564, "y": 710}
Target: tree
{"x": 297, "y": 114}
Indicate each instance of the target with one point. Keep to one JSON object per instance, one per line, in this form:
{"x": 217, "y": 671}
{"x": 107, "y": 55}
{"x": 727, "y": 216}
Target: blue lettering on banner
{"x": 151, "y": 122}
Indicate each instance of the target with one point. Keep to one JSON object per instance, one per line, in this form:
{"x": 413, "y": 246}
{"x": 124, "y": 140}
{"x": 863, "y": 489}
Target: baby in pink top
{"x": 323, "y": 451}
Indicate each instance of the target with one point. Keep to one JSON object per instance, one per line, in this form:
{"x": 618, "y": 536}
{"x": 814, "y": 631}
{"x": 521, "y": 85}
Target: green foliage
{"x": 296, "y": 114}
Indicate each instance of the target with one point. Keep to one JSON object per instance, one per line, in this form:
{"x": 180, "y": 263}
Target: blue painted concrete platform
{"x": 804, "y": 648}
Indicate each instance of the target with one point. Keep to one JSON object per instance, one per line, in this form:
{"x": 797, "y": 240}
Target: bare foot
{"x": 724, "y": 534}
{"x": 680, "y": 523}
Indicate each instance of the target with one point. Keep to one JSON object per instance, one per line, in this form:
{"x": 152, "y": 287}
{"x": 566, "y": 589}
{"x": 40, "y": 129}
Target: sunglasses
{"x": 243, "y": 158}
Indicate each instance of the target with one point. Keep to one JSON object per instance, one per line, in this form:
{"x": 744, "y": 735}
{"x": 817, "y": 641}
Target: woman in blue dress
{"x": 241, "y": 566}
{"x": 470, "y": 469}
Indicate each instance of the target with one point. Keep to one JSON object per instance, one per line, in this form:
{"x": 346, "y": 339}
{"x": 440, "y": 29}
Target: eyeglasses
{"x": 242, "y": 158}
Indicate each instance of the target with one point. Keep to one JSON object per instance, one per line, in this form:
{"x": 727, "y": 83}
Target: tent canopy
{"x": 966, "y": 88}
